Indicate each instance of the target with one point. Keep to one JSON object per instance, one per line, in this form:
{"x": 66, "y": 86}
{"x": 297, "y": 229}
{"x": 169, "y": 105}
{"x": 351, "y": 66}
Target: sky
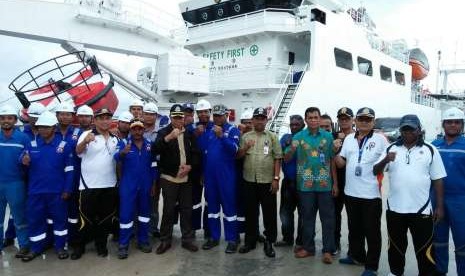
{"x": 429, "y": 24}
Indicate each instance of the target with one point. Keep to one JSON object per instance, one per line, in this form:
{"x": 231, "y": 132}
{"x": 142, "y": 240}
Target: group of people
{"x": 68, "y": 185}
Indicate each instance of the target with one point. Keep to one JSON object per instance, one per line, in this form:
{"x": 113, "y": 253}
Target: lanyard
{"x": 360, "y": 149}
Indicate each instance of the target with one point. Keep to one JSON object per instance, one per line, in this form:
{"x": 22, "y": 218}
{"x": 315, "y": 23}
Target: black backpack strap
{"x": 84, "y": 182}
{"x": 424, "y": 206}
{"x": 431, "y": 150}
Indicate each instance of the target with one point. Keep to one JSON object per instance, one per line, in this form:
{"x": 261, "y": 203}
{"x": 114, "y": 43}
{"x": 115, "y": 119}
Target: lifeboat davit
{"x": 72, "y": 78}
{"x": 419, "y": 63}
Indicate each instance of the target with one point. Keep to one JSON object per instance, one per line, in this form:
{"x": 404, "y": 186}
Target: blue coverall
{"x": 12, "y": 186}
{"x": 453, "y": 156}
{"x": 220, "y": 181}
{"x": 138, "y": 169}
{"x": 71, "y": 137}
{"x": 51, "y": 173}
{"x": 195, "y": 176}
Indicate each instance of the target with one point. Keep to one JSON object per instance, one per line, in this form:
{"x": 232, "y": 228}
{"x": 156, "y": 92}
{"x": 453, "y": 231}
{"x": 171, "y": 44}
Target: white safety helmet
{"x": 85, "y": 110}
{"x": 203, "y": 105}
{"x": 453, "y": 114}
{"x": 125, "y": 116}
{"x": 150, "y": 108}
{"x": 247, "y": 115}
{"x": 35, "y": 109}
{"x": 47, "y": 118}
{"x": 136, "y": 102}
{"x": 8, "y": 110}
{"x": 65, "y": 107}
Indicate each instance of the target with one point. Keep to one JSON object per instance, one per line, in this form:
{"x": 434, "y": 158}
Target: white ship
{"x": 285, "y": 55}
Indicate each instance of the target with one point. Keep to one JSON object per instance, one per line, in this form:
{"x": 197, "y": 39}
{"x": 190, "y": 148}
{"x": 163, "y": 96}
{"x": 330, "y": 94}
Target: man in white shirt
{"x": 360, "y": 151}
{"x": 97, "y": 188}
{"x": 414, "y": 166}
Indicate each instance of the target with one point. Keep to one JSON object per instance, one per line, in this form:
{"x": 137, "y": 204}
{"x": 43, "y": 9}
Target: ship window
{"x": 364, "y": 66}
{"x": 385, "y": 73}
{"x": 400, "y": 78}
{"x": 343, "y": 59}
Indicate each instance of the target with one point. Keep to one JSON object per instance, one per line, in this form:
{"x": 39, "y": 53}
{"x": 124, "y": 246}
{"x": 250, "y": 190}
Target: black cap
{"x": 345, "y": 111}
{"x": 188, "y": 107}
{"x": 260, "y": 111}
{"x": 366, "y": 112}
{"x": 177, "y": 111}
{"x": 103, "y": 111}
{"x": 410, "y": 120}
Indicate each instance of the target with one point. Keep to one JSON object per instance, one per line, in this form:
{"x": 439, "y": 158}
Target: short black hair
{"x": 326, "y": 116}
{"x": 296, "y": 117}
{"x": 311, "y": 110}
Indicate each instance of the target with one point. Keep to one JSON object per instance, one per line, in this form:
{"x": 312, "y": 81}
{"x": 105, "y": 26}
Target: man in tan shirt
{"x": 262, "y": 164}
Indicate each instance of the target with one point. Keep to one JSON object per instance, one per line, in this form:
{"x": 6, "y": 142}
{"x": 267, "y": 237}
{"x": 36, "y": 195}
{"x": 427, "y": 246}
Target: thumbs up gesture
{"x": 89, "y": 138}
{"x": 26, "y": 158}
{"x": 126, "y": 149}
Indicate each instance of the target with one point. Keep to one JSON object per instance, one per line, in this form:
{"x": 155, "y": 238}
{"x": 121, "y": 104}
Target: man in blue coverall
{"x": 33, "y": 113}
{"x": 51, "y": 175}
{"x": 12, "y": 187}
{"x": 452, "y": 150}
{"x": 220, "y": 179}
{"x": 138, "y": 169}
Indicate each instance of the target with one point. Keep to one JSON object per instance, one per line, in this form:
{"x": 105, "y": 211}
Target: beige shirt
{"x": 259, "y": 159}
{"x": 182, "y": 161}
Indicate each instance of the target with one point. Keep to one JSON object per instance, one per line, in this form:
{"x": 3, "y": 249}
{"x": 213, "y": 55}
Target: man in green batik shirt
{"x": 316, "y": 174}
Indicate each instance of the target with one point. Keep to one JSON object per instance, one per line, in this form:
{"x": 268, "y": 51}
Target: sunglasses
{"x": 364, "y": 119}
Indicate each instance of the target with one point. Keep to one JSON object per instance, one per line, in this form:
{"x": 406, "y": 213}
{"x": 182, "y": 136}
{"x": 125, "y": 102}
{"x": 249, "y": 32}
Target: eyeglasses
{"x": 365, "y": 119}
{"x": 407, "y": 157}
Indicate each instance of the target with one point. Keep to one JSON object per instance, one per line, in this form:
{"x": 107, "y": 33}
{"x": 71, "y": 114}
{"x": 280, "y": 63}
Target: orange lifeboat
{"x": 73, "y": 77}
{"x": 419, "y": 63}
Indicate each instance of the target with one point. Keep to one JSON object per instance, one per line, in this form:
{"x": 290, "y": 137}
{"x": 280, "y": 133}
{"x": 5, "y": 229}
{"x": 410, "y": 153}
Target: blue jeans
{"x": 310, "y": 204}
{"x": 14, "y": 194}
{"x": 454, "y": 219}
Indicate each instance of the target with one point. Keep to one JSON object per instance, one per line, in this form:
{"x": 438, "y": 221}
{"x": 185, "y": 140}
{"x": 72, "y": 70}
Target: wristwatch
{"x": 276, "y": 177}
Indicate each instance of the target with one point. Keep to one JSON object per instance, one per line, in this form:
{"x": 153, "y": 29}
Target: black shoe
{"x": 269, "y": 250}
{"x": 77, "y": 253}
{"x": 144, "y": 247}
{"x": 102, "y": 251}
{"x": 210, "y": 244}
{"x": 30, "y": 256}
{"x": 22, "y": 252}
{"x": 62, "y": 254}
{"x": 8, "y": 242}
{"x": 156, "y": 234}
{"x": 231, "y": 248}
{"x": 261, "y": 239}
{"x": 246, "y": 248}
{"x": 283, "y": 243}
{"x": 190, "y": 246}
{"x": 163, "y": 247}
{"x": 123, "y": 252}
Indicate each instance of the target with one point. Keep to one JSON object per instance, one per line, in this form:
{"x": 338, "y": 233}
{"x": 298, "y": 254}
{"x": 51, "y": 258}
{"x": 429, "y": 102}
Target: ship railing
{"x": 288, "y": 79}
{"x": 419, "y": 97}
{"x": 249, "y": 20}
{"x": 137, "y": 13}
{"x": 361, "y": 18}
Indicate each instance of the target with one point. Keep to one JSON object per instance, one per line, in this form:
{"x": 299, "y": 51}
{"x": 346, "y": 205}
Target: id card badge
{"x": 266, "y": 150}
{"x": 358, "y": 170}
{"x": 322, "y": 158}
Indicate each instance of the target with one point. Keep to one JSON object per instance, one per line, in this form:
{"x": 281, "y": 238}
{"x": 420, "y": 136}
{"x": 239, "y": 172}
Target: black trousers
{"x": 97, "y": 211}
{"x": 259, "y": 194}
{"x": 289, "y": 203}
{"x": 339, "y": 205}
{"x": 173, "y": 194}
{"x": 364, "y": 219}
{"x": 421, "y": 228}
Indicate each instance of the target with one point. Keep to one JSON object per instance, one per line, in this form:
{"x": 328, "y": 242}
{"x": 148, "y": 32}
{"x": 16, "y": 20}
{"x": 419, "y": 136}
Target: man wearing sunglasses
{"x": 414, "y": 166}
{"x": 359, "y": 153}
